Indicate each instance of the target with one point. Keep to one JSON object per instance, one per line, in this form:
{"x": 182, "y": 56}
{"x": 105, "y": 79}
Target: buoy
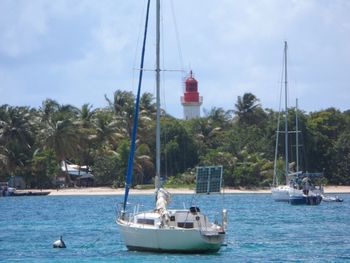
{"x": 59, "y": 243}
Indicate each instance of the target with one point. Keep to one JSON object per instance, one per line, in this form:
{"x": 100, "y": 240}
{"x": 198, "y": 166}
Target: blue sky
{"x": 77, "y": 51}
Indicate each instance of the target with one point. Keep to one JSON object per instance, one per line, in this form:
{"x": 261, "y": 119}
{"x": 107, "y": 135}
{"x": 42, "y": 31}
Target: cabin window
{"x": 172, "y": 218}
{"x": 145, "y": 221}
{"x": 185, "y": 224}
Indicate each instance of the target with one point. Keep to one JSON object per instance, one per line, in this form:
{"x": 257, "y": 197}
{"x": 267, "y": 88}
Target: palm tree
{"x": 147, "y": 103}
{"x": 218, "y": 116}
{"x": 246, "y": 106}
{"x": 85, "y": 115}
{"x": 59, "y": 131}
{"x": 107, "y": 130}
{"x": 85, "y": 122}
{"x": 63, "y": 138}
{"x": 123, "y": 107}
{"x": 16, "y": 138}
{"x": 143, "y": 164}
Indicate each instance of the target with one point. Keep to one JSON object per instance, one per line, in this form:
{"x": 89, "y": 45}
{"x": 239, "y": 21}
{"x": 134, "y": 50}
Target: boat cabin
{"x": 187, "y": 219}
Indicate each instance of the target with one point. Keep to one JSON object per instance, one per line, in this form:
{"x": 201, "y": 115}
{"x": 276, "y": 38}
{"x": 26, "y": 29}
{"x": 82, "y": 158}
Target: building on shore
{"x": 191, "y": 101}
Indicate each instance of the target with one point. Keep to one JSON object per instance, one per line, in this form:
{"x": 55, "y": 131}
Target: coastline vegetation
{"x": 33, "y": 142}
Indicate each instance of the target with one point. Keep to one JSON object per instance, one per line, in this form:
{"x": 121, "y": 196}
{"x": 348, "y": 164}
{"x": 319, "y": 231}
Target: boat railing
{"x": 121, "y": 214}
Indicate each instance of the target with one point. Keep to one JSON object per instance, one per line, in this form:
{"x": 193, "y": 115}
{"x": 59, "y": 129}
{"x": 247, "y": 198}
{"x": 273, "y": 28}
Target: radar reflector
{"x": 208, "y": 179}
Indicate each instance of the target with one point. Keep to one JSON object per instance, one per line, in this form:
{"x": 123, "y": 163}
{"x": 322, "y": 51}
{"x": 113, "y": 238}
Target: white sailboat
{"x": 163, "y": 229}
{"x": 292, "y": 191}
{"x": 280, "y": 193}
{"x": 309, "y": 195}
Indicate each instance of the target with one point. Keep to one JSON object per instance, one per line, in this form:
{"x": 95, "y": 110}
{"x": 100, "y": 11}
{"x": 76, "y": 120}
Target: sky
{"x": 78, "y": 51}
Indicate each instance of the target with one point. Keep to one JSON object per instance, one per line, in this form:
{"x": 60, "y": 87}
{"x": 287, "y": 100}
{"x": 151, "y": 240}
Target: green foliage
{"x": 105, "y": 169}
{"x": 184, "y": 180}
{"x": 44, "y": 169}
{"x": 248, "y": 110}
{"x": 179, "y": 151}
{"x": 34, "y": 141}
{"x": 341, "y": 164}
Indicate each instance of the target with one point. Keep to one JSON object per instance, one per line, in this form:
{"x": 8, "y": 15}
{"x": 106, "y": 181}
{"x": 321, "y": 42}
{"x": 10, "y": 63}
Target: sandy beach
{"x": 120, "y": 191}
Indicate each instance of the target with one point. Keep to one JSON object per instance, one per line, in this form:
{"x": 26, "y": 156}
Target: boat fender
{"x": 224, "y": 219}
{"x": 59, "y": 243}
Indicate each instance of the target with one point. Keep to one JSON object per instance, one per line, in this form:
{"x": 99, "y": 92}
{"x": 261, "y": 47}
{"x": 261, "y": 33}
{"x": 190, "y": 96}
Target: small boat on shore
{"x": 5, "y": 190}
{"x": 30, "y": 193}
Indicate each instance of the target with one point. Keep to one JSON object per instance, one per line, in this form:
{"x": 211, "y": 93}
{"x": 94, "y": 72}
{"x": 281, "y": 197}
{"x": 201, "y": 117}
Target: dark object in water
{"x": 59, "y": 243}
{"x": 305, "y": 199}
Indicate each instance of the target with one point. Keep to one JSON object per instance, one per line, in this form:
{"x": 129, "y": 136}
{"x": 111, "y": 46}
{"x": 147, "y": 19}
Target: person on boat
{"x": 306, "y": 187}
{"x": 4, "y": 191}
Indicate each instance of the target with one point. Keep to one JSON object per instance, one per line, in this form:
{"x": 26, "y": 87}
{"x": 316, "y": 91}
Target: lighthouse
{"x": 191, "y": 101}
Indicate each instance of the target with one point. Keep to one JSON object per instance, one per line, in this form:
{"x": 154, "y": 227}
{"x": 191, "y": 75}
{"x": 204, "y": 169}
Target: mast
{"x": 157, "y": 178}
{"x": 128, "y": 179}
{"x": 296, "y": 135}
{"x": 286, "y": 108}
{"x": 275, "y": 179}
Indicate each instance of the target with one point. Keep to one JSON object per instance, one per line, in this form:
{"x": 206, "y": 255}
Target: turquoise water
{"x": 260, "y": 230}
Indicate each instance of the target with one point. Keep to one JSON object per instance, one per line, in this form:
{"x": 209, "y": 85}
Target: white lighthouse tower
{"x": 191, "y": 101}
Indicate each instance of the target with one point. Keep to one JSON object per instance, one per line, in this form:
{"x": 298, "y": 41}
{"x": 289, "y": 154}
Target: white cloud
{"x": 21, "y": 27}
{"x": 82, "y": 50}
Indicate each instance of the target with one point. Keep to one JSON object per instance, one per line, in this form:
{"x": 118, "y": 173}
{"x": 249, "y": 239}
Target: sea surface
{"x": 260, "y": 230}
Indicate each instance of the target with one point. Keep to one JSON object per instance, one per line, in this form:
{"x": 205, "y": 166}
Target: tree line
{"x": 33, "y": 142}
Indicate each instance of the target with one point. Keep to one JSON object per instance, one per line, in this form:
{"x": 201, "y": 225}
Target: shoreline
{"x": 120, "y": 191}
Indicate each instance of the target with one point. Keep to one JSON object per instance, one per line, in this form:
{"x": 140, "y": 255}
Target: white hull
{"x": 169, "y": 240}
{"x": 281, "y": 193}
{"x": 185, "y": 231}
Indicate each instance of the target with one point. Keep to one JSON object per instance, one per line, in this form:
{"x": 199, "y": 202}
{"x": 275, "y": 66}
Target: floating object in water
{"x": 59, "y": 243}
{"x": 331, "y": 199}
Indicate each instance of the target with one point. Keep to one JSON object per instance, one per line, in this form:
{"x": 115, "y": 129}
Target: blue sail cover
{"x": 136, "y": 115}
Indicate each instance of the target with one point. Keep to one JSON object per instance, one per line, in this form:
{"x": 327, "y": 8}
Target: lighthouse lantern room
{"x": 191, "y": 101}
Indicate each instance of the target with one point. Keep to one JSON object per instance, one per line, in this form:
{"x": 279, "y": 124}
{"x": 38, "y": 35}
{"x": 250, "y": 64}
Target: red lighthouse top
{"x": 191, "y": 93}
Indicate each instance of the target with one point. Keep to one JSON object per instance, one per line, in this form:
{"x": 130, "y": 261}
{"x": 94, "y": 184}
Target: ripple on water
{"x": 259, "y": 230}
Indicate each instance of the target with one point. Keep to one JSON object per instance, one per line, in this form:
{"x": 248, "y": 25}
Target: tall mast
{"x": 286, "y": 108}
{"x": 157, "y": 179}
{"x": 296, "y": 135}
{"x": 128, "y": 179}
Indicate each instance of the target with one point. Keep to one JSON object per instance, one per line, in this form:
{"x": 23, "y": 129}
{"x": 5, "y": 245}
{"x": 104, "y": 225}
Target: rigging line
{"x": 171, "y": 70}
{"x": 141, "y": 26}
{"x": 165, "y": 137}
{"x": 134, "y": 130}
{"x": 275, "y": 179}
{"x": 164, "y": 90}
{"x": 286, "y": 108}
{"x": 177, "y": 34}
{"x": 289, "y": 84}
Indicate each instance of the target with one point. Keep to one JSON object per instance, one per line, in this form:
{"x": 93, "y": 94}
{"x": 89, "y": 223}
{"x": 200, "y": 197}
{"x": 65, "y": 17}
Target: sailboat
{"x": 309, "y": 194}
{"x": 280, "y": 193}
{"x": 292, "y": 191}
{"x": 163, "y": 229}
